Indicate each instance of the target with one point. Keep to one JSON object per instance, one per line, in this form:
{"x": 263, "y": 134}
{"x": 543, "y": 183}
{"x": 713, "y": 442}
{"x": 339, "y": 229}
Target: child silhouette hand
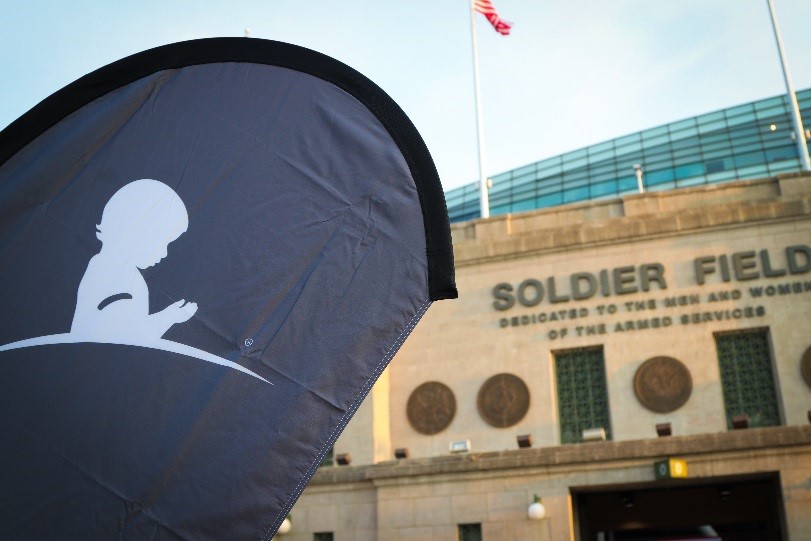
{"x": 180, "y": 311}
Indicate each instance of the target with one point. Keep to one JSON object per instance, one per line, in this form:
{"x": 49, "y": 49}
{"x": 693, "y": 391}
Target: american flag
{"x": 485, "y": 7}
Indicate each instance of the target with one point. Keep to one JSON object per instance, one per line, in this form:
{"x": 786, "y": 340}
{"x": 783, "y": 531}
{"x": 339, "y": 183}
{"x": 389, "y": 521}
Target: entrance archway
{"x": 730, "y": 508}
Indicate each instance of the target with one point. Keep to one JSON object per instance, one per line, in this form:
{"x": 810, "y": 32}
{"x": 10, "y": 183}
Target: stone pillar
{"x": 367, "y": 437}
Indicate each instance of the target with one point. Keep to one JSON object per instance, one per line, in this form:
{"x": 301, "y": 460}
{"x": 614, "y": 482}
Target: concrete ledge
{"x": 794, "y": 184}
{"x": 568, "y": 455}
{"x": 698, "y": 196}
{"x": 642, "y": 216}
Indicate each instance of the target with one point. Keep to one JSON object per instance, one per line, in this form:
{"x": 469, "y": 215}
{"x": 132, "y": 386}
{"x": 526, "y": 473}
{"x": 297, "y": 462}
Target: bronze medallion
{"x": 431, "y": 408}
{"x": 805, "y": 366}
{"x": 663, "y": 384}
{"x": 503, "y": 400}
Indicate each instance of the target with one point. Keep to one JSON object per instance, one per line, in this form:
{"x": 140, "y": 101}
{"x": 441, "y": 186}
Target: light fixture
{"x": 594, "y": 434}
{"x": 344, "y": 459}
{"x": 664, "y": 429}
{"x": 400, "y": 453}
{"x": 773, "y": 127}
{"x": 285, "y": 526}
{"x": 708, "y": 531}
{"x": 461, "y": 446}
{"x": 671, "y": 468}
{"x": 638, "y": 171}
{"x": 524, "y": 440}
{"x": 627, "y": 500}
{"x": 740, "y": 421}
{"x": 536, "y": 510}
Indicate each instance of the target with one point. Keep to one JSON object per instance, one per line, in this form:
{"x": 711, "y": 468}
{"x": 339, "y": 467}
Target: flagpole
{"x": 484, "y": 202}
{"x": 799, "y": 132}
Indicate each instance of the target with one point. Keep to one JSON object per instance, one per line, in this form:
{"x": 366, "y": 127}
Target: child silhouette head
{"x": 140, "y": 220}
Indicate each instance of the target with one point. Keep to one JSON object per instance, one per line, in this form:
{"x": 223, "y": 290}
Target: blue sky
{"x": 572, "y": 73}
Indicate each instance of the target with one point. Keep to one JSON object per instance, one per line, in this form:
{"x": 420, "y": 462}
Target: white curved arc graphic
{"x": 161, "y": 344}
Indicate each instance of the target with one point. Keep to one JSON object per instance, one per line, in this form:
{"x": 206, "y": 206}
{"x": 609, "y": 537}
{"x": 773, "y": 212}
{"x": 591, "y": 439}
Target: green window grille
{"x": 329, "y": 458}
{"x": 470, "y": 532}
{"x": 747, "y": 379}
{"x": 582, "y": 393}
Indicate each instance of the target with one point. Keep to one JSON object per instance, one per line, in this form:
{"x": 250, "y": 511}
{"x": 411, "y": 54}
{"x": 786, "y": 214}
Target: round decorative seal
{"x": 431, "y": 408}
{"x": 805, "y": 366}
{"x": 663, "y": 384}
{"x": 503, "y": 400}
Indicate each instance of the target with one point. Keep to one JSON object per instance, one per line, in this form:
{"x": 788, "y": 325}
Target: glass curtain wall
{"x": 748, "y": 141}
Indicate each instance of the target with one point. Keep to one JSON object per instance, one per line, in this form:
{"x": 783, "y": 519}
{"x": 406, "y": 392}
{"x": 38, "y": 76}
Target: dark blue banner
{"x": 208, "y": 254}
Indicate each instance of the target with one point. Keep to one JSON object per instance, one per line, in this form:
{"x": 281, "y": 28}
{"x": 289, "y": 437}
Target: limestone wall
{"x": 425, "y": 499}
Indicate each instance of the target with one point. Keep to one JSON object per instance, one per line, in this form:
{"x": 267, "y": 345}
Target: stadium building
{"x": 640, "y": 363}
{"x": 753, "y": 140}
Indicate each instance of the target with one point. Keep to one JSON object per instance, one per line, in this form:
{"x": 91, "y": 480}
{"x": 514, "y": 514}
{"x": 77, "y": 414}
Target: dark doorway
{"x": 735, "y": 508}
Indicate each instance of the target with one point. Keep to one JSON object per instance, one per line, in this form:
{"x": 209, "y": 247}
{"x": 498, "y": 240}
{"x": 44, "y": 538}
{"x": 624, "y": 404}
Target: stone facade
{"x": 651, "y": 275}
{"x": 426, "y": 498}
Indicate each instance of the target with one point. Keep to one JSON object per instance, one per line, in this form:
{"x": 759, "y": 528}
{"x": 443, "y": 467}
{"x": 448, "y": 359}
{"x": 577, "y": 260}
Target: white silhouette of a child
{"x": 137, "y": 225}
